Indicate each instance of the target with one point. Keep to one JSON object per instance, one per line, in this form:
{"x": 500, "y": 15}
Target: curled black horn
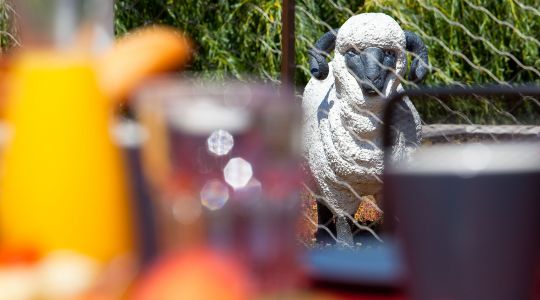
{"x": 318, "y": 66}
{"x": 420, "y": 65}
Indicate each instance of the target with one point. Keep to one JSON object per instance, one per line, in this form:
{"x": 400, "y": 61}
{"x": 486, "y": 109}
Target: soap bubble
{"x": 220, "y": 142}
{"x": 214, "y": 194}
{"x": 237, "y": 172}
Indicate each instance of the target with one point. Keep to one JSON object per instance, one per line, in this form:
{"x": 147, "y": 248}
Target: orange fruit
{"x": 140, "y": 54}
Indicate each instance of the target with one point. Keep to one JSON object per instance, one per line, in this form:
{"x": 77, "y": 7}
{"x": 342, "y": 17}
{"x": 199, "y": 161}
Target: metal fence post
{"x": 287, "y": 43}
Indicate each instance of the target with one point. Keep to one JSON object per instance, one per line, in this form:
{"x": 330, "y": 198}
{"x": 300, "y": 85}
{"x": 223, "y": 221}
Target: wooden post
{"x": 287, "y": 44}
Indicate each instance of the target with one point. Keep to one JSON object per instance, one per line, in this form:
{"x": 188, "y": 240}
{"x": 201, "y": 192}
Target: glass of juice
{"x": 63, "y": 183}
{"x": 63, "y": 187}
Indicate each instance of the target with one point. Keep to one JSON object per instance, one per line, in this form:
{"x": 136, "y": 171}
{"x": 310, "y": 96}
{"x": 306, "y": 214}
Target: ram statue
{"x": 343, "y": 106}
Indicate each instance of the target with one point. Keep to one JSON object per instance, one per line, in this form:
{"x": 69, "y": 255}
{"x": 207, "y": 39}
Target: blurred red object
{"x": 18, "y": 256}
{"x": 195, "y": 274}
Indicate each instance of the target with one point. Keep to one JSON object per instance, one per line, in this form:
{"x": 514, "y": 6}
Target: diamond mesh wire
{"x": 469, "y": 42}
{"x": 457, "y": 120}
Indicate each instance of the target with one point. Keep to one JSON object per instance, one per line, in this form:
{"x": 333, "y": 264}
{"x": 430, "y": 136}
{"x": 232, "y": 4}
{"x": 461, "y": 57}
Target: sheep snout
{"x": 370, "y": 68}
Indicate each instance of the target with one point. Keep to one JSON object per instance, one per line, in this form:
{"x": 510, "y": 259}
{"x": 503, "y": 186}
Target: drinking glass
{"x": 470, "y": 220}
{"x": 465, "y": 204}
{"x": 222, "y": 161}
{"x": 64, "y": 24}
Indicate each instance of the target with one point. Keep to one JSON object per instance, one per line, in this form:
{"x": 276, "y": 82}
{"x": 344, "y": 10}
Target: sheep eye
{"x": 355, "y": 50}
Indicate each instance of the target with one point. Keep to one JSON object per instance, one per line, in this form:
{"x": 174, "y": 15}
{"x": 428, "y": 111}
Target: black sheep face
{"x": 370, "y": 67}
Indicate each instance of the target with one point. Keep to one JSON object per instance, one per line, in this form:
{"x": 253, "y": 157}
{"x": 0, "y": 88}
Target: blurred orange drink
{"x": 62, "y": 182}
{"x": 62, "y": 179}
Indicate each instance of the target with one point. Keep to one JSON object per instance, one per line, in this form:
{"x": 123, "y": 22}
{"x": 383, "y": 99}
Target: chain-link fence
{"x": 468, "y": 42}
{"x": 405, "y": 140}
{"x": 478, "y": 145}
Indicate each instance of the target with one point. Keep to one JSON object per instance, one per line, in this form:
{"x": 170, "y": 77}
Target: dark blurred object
{"x": 459, "y": 127}
{"x": 143, "y": 209}
{"x": 468, "y": 215}
{"x": 223, "y": 165}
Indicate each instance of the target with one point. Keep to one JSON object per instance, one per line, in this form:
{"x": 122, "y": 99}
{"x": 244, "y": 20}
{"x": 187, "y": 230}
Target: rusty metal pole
{"x": 287, "y": 44}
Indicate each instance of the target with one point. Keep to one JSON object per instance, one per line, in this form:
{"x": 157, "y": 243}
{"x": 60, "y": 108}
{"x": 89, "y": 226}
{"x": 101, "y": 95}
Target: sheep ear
{"x": 318, "y": 66}
{"x": 420, "y": 65}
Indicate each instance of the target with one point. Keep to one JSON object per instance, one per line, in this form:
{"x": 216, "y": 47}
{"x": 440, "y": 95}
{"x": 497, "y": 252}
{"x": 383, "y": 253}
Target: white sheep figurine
{"x": 343, "y": 106}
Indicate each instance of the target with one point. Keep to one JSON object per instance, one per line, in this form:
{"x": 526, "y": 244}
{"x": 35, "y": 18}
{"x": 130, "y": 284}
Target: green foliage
{"x": 469, "y": 41}
{"x": 475, "y": 42}
{"x": 459, "y": 54}
{"x": 4, "y": 25}
{"x": 237, "y": 37}
{"x": 234, "y": 38}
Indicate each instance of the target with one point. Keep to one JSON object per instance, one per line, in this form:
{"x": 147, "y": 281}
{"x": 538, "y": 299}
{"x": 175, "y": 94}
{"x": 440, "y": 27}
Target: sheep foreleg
{"x": 344, "y": 233}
